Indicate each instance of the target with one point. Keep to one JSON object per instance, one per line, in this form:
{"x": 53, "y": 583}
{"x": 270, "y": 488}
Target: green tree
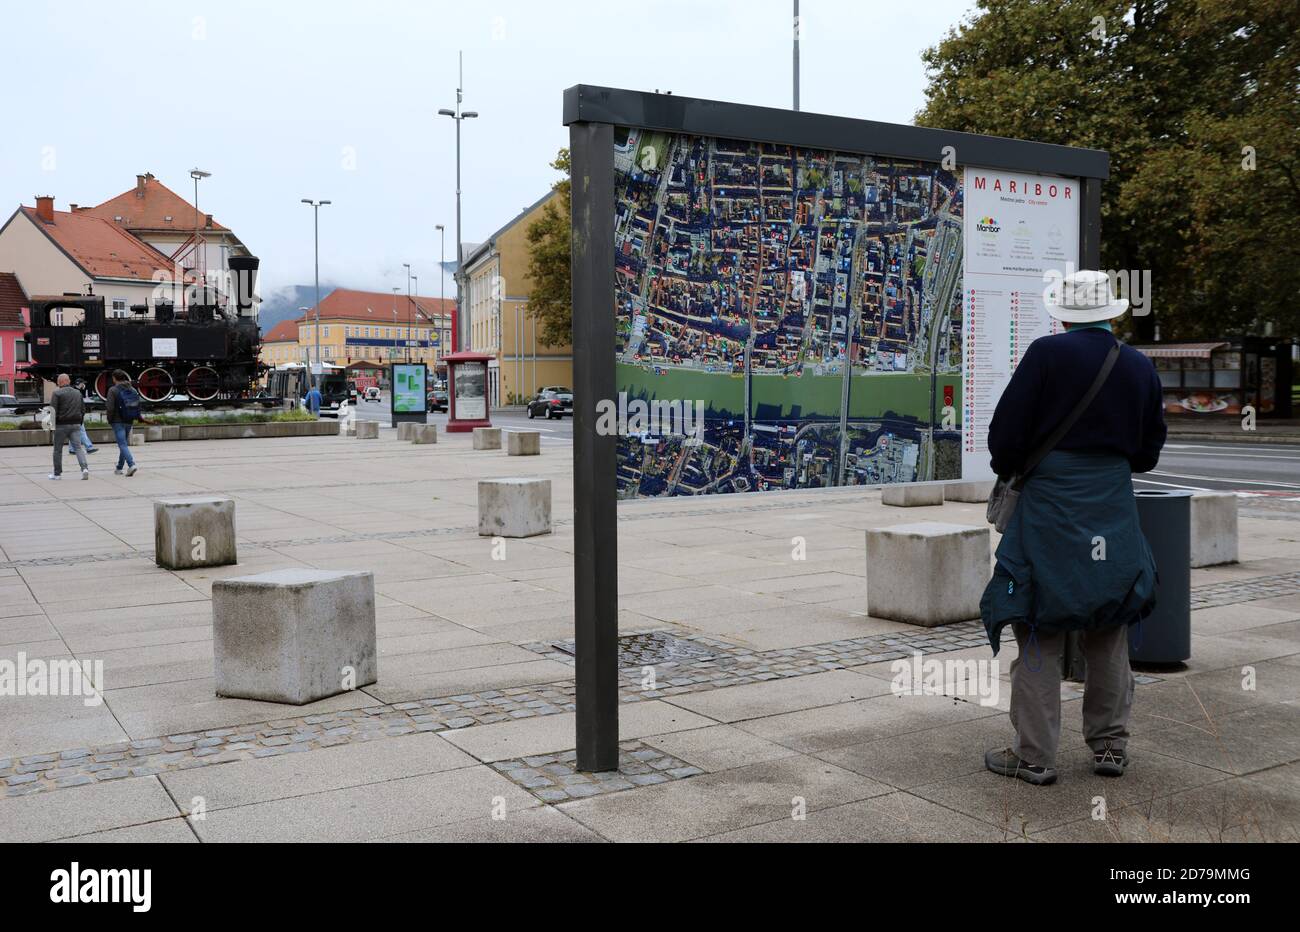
{"x": 550, "y": 300}
{"x": 1175, "y": 91}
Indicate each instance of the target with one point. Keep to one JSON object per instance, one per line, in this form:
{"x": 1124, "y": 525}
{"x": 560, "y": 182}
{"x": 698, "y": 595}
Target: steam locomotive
{"x": 205, "y": 352}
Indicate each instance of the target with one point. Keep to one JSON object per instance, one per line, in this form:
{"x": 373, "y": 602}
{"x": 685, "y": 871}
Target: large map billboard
{"x": 815, "y": 307}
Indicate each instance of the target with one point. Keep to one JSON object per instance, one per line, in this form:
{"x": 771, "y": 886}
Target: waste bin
{"x": 1165, "y": 636}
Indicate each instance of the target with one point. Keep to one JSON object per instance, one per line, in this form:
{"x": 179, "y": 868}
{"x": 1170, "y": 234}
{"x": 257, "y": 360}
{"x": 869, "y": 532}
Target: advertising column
{"x": 1018, "y": 228}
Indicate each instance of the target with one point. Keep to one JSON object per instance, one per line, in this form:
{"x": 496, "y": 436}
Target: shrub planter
{"x": 98, "y": 435}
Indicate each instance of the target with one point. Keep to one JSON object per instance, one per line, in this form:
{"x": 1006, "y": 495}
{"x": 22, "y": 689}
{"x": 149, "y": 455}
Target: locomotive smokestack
{"x": 243, "y": 272}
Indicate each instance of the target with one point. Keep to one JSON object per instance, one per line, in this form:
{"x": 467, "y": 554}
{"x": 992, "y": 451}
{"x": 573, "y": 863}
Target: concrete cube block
{"x": 967, "y": 491}
{"x": 367, "y": 430}
{"x": 487, "y": 438}
{"x": 153, "y": 434}
{"x": 190, "y": 532}
{"x": 911, "y": 495}
{"x": 524, "y": 443}
{"x": 294, "y": 635}
{"x": 514, "y": 507}
{"x": 1214, "y": 528}
{"x": 405, "y": 428}
{"x": 424, "y": 433}
{"x": 137, "y": 438}
{"x": 927, "y": 573}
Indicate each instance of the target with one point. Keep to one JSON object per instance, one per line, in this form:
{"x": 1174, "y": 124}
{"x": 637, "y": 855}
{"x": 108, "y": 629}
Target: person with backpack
{"x": 122, "y": 407}
{"x": 1081, "y": 414}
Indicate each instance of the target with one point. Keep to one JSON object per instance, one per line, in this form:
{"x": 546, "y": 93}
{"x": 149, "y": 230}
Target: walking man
{"x": 313, "y": 400}
{"x": 69, "y": 415}
{"x": 122, "y": 407}
{"x": 1072, "y": 557}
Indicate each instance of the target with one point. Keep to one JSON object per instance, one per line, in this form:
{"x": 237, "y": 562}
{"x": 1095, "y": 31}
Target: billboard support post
{"x": 592, "y": 113}
{"x": 595, "y": 548}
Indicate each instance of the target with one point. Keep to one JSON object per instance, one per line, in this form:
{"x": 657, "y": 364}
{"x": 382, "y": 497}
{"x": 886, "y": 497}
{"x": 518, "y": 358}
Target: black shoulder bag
{"x": 1006, "y": 492}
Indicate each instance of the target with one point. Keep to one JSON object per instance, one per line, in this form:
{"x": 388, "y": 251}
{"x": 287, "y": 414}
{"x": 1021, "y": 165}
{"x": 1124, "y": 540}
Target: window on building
{"x": 324, "y": 333}
{"x": 20, "y": 351}
{"x": 118, "y": 308}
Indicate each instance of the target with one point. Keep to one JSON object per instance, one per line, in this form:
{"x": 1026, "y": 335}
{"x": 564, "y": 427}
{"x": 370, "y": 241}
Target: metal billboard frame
{"x": 592, "y": 113}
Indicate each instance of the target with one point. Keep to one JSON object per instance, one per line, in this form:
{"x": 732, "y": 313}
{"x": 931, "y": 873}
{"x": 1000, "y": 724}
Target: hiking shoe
{"x": 130, "y": 470}
{"x": 85, "y": 474}
{"x": 1109, "y": 761}
{"x": 93, "y": 450}
{"x": 1005, "y": 762}
{"x": 54, "y": 475}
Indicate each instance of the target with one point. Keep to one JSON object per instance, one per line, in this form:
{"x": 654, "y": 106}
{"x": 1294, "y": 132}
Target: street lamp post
{"x": 406, "y": 350}
{"x": 196, "y": 174}
{"x": 442, "y": 284}
{"x": 458, "y": 115}
{"x": 410, "y": 314}
{"x": 392, "y": 350}
{"x": 315, "y": 210}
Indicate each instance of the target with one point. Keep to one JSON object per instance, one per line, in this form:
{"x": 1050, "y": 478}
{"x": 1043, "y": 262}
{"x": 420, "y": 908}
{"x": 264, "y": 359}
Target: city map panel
{"x": 810, "y": 299}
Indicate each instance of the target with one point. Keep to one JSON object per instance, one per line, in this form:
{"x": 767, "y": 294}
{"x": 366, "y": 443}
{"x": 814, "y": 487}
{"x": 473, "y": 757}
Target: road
{"x": 1224, "y": 467}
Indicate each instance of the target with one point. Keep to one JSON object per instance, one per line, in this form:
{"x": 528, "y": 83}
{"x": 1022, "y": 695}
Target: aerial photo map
{"x": 811, "y": 299}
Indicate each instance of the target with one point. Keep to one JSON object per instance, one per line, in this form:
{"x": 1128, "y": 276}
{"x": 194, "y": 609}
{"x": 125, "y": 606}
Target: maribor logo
{"x": 987, "y": 225}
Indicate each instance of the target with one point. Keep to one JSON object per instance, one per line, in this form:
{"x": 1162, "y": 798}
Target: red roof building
{"x": 13, "y": 330}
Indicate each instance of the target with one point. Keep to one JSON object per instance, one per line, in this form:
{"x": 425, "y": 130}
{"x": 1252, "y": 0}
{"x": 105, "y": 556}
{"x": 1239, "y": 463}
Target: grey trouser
{"x": 65, "y": 434}
{"x": 1036, "y": 692}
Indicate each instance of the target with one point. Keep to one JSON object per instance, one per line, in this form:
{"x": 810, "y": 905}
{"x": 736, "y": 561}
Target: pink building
{"x": 13, "y": 332}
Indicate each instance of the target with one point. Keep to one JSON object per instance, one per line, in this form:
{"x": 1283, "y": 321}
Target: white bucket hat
{"x": 1085, "y": 297}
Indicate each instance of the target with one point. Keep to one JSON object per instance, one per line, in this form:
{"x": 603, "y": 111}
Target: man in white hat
{"x": 1072, "y": 557}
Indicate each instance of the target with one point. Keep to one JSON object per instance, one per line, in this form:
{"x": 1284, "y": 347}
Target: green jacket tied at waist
{"x": 1073, "y": 557}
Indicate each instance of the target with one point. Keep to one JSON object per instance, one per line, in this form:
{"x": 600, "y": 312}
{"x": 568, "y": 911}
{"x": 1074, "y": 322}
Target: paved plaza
{"x": 768, "y": 713}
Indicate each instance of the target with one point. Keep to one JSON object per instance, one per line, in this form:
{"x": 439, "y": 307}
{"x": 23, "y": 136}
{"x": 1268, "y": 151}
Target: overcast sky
{"x": 284, "y": 100}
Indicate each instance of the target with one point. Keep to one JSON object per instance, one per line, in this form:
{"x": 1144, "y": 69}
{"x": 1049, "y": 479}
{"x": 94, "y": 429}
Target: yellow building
{"x": 497, "y": 289}
{"x": 365, "y": 331}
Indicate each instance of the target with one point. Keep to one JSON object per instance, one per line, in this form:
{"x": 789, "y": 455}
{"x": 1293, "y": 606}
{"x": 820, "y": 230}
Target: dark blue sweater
{"x": 1126, "y": 417}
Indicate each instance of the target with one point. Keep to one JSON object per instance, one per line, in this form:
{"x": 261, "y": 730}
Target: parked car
{"x": 8, "y": 404}
{"x": 438, "y": 399}
{"x": 372, "y": 393}
{"x": 552, "y": 402}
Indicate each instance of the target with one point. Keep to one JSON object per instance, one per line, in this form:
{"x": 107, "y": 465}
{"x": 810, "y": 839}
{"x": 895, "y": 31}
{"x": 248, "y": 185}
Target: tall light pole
{"x": 315, "y": 211}
{"x": 392, "y": 350}
{"x": 410, "y": 313}
{"x": 196, "y": 174}
{"x": 796, "y": 54}
{"x": 442, "y": 285}
{"x": 458, "y": 115}
{"x": 406, "y": 350}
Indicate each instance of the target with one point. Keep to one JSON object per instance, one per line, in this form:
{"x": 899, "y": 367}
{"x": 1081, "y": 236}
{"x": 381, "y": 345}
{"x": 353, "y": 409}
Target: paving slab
{"x": 719, "y": 802}
{"x": 244, "y": 782}
{"x": 84, "y": 809}
{"x": 370, "y": 811}
{"x": 773, "y": 697}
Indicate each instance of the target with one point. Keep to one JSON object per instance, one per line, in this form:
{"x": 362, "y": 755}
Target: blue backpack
{"x": 128, "y": 403}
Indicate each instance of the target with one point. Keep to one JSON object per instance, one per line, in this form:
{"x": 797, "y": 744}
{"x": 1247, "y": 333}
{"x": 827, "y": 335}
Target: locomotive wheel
{"x": 103, "y": 382}
{"x": 202, "y": 383}
{"x": 155, "y": 384}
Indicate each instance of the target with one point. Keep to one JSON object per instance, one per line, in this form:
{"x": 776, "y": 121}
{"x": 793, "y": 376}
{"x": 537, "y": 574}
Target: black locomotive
{"x": 205, "y": 352}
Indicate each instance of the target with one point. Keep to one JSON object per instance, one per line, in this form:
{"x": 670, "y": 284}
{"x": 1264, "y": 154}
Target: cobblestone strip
{"x": 149, "y": 756}
{"x": 1247, "y": 590}
{"x": 679, "y": 665}
{"x": 554, "y": 778}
